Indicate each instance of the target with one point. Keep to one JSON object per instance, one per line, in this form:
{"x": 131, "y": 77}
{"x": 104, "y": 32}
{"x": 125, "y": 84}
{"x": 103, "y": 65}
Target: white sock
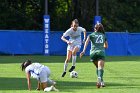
{"x": 65, "y": 66}
{"x": 47, "y": 89}
{"x": 73, "y": 60}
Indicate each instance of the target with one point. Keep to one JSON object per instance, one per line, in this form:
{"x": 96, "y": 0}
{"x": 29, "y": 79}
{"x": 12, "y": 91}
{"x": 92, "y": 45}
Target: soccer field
{"x": 122, "y": 75}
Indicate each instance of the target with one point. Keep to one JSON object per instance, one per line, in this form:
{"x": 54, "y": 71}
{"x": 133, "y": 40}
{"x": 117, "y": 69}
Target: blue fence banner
{"x": 21, "y": 42}
{"x": 33, "y": 42}
{"x": 117, "y": 44}
{"x": 133, "y": 44}
{"x": 97, "y": 19}
{"x": 46, "y": 34}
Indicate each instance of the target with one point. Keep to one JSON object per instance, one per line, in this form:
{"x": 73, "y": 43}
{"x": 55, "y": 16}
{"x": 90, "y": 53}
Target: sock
{"x": 65, "y": 66}
{"x": 100, "y": 74}
{"x": 73, "y": 60}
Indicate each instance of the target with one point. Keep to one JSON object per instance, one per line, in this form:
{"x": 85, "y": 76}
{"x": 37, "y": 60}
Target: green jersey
{"x": 97, "y": 42}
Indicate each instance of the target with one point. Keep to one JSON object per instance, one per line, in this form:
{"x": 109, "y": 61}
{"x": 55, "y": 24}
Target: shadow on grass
{"x": 15, "y": 83}
{"x": 122, "y": 58}
{"x": 61, "y": 59}
{"x": 80, "y": 85}
{"x": 34, "y": 58}
{"x": 65, "y": 86}
{"x": 69, "y": 86}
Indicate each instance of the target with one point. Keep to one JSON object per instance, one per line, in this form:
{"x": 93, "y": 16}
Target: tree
{"x": 117, "y": 15}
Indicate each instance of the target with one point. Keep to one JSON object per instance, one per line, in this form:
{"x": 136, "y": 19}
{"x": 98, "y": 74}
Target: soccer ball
{"x": 73, "y": 74}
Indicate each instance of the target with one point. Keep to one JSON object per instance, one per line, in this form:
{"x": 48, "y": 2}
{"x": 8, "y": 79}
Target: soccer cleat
{"x": 72, "y": 68}
{"x": 47, "y": 89}
{"x": 102, "y": 84}
{"x": 64, "y": 73}
{"x": 98, "y": 84}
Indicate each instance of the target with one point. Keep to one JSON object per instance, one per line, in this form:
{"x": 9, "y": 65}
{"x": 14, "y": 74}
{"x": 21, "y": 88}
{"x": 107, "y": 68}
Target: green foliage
{"x": 22, "y": 15}
{"x": 117, "y": 15}
{"x": 121, "y": 15}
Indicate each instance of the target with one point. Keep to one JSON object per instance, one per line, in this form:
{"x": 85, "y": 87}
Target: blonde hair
{"x": 75, "y": 21}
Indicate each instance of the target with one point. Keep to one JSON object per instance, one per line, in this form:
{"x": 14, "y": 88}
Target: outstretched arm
{"x": 84, "y": 36}
{"x": 85, "y": 46}
{"x": 28, "y": 80}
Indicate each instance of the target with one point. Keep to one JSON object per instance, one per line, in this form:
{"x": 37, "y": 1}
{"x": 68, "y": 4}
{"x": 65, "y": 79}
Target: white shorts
{"x": 44, "y": 75}
{"x": 72, "y": 46}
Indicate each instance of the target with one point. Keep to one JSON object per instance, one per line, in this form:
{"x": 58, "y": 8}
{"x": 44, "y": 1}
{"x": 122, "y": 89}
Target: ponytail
{"x": 25, "y": 64}
{"x": 99, "y": 28}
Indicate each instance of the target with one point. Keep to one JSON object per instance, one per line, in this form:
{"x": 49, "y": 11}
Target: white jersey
{"x": 75, "y": 36}
{"x": 34, "y": 69}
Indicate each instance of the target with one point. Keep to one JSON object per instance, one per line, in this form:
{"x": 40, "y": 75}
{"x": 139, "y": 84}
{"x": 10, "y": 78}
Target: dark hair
{"x": 25, "y": 64}
{"x": 99, "y": 28}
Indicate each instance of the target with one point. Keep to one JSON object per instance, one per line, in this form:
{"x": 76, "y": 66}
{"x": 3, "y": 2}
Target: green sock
{"x": 100, "y": 74}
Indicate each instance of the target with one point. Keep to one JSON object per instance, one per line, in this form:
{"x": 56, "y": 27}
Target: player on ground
{"x": 41, "y": 73}
{"x": 97, "y": 52}
{"x": 74, "y": 43}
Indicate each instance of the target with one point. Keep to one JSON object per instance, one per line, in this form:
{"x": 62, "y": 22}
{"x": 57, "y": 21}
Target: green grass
{"x": 122, "y": 75}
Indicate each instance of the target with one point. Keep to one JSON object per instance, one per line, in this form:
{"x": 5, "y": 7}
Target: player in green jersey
{"x": 97, "y": 51}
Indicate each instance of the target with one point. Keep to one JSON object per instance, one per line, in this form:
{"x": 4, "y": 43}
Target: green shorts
{"x": 97, "y": 56}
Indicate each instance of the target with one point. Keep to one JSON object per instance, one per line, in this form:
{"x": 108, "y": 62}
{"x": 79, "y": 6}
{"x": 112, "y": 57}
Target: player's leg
{"x": 44, "y": 80}
{"x": 95, "y": 62}
{"x": 96, "y": 59}
{"x": 43, "y": 85}
{"x": 74, "y": 56}
{"x": 52, "y": 83}
{"x": 69, "y": 53}
{"x": 98, "y": 84}
{"x": 100, "y": 71}
{"x": 102, "y": 81}
{"x": 96, "y": 65}
{"x": 43, "y": 77}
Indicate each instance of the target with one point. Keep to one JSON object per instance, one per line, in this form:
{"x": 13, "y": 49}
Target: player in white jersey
{"x": 41, "y": 73}
{"x": 74, "y": 43}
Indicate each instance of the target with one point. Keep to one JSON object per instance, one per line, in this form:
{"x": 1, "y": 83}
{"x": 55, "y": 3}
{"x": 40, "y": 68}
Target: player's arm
{"x": 85, "y": 46}
{"x": 84, "y": 36}
{"x": 28, "y": 80}
{"x": 106, "y": 44}
{"x": 38, "y": 86}
{"x": 64, "y": 39}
